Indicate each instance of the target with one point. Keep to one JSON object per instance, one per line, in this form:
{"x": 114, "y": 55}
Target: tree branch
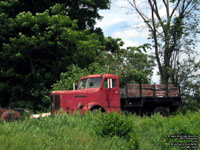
{"x": 173, "y": 11}
{"x": 156, "y": 42}
{"x": 143, "y": 16}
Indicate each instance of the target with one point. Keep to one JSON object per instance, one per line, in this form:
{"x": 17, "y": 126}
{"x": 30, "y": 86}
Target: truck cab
{"x": 94, "y": 92}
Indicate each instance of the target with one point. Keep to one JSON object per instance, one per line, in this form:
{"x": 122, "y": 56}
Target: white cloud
{"x": 126, "y": 34}
{"x": 129, "y": 43}
{"x": 112, "y": 17}
{"x": 120, "y": 3}
{"x": 109, "y": 20}
{"x": 117, "y": 14}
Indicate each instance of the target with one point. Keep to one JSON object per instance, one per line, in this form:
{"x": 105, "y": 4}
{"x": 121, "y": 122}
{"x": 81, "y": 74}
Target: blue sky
{"x": 119, "y": 23}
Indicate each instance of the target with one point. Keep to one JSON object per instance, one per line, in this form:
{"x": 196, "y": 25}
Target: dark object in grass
{"x": 163, "y": 111}
{"x": 9, "y": 114}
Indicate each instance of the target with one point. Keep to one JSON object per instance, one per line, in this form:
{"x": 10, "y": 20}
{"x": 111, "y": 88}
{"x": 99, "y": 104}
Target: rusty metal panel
{"x": 161, "y": 90}
{"x": 9, "y": 115}
{"x": 133, "y": 90}
{"x": 161, "y": 93}
{"x": 136, "y": 90}
{"x": 147, "y": 90}
{"x": 160, "y": 86}
{"x": 146, "y": 93}
{"x": 147, "y": 86}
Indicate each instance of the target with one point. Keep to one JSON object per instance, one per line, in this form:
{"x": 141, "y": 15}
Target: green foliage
{"x": 132, "y": 140}
{"x": 74, "y": 73}
{"x": 113, "y": 124}
{"x": 153, "y": 132}
{"x": 82, "y": 132}
{"x": 39, "y": 47}
{"x": 68, "y": 78}
{"x": 57, "y": 132}
{"x": 39, "y": 40}
{"x": 188, "y": 76}
{"x": 132, "y": 65}
{"x": 85, "y": 11}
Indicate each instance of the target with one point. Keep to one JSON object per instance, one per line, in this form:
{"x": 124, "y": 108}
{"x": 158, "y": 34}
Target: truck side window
{"x": 113, "y": 81}
{"x": 105, "y": 83}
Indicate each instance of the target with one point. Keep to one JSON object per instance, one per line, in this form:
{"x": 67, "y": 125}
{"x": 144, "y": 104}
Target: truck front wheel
{"x": 97, "y": 109}
{"x": 163, "y": 111}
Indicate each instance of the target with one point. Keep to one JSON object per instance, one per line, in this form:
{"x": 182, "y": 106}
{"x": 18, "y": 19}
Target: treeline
{"x": 44, "y": 43}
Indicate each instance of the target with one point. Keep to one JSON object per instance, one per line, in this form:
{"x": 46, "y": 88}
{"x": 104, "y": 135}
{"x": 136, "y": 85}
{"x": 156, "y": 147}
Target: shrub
{"x": 113, "y": 124}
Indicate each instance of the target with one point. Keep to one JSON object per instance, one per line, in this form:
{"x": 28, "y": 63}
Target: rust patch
{"x": 9, "y": 115}
{"x": 147, "y": 90}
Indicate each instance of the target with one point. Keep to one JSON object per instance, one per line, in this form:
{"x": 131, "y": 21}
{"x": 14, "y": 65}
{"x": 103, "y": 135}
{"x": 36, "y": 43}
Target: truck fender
{"x": 94, "y": 105}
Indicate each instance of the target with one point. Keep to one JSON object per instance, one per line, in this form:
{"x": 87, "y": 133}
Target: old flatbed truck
{"x": 102, "y": 92}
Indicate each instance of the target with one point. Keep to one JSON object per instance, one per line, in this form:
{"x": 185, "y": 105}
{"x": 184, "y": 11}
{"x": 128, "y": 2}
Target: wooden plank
{"x": 159, "y": 90}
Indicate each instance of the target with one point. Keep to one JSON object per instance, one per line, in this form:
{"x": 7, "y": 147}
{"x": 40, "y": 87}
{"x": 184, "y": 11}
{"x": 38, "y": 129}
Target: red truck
{"x": 102, "y": 92}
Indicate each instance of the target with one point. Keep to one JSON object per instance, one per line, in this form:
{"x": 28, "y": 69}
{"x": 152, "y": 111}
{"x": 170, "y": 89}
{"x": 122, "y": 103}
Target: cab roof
{"x": 100, "y": 75}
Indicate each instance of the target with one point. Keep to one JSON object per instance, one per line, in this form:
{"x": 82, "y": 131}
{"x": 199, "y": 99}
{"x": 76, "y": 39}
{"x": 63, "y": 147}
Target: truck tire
{"x": 129, "y": 112}
{"x": 95, "y": 110}
{"x": 163, "y": 111}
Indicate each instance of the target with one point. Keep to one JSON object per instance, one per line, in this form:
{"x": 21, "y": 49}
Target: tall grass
{"x": 152, "y": 133}
{"x": 78, "y": 132}
{"x": 62, "y": 132}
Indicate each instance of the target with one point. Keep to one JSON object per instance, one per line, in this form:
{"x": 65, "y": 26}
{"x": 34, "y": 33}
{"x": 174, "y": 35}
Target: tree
{"x": 85, "y": 11}
{"x": 36, "y": 48}
{"x": 38, "y": 42}
{"x": 132, "y": 65}
{"x": 172, "y": 32}
{"x": 189, "y": 79}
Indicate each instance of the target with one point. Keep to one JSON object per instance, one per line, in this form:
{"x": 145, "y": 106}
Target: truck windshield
{"x": 89, "y": 83}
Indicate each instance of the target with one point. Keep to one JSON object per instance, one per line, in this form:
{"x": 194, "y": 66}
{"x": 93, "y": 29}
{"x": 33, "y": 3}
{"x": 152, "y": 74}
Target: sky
{"x": 120, "y": 22}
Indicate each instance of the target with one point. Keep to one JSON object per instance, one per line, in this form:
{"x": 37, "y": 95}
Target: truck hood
{"x": 71, "y": 100}
{"x": 82, "y": 91}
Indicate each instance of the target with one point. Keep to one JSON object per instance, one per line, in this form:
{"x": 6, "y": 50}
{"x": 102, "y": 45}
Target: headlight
{"x": 80, "y": 105}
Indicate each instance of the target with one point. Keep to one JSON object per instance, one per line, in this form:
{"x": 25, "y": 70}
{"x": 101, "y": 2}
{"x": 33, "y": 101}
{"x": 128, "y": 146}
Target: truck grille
{"x": 56, "y": 102}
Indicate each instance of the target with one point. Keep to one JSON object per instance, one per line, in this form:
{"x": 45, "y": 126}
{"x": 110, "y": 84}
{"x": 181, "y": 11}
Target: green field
{"x": 99, "y": 132}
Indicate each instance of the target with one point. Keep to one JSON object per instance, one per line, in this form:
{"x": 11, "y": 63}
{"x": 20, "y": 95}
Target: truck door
{"x": 111, "y": 94}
